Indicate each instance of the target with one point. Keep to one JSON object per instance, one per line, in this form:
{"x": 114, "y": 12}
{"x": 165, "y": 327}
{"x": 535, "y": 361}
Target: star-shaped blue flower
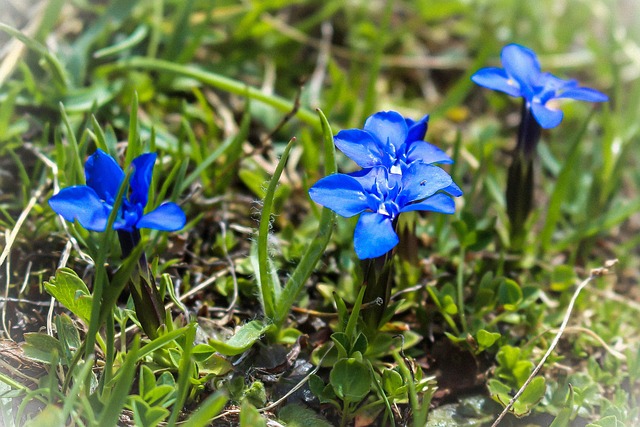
{"x": 391, "y": 141}
{"x": 380, "y": 196}
{"x": 522, "y": 77}
{"x": 92, "y": 204}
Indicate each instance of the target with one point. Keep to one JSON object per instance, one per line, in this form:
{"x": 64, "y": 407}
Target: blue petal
{"x": 453, "y": 190}
{"x": 359, "y": 146}
{"x": 555, "y": 83}
{"x": 387, "y": 126}
{"x": 420, "y": 181}
{"x": 584, "y": 94}
{"x": 497, "y": 79}
{"x": 417, "y": 130}
{"x": 546, "y": 117}
{"x": 341, "y": 193}
{"x": 437, "y": 203}
{"x": 104, "y": 175}
{"x": 521, "y": 64}
{"x": 368, "y": 177}
{"x": 374, "y": 235}
{"x": 83, "y": 204}
{"x": 166, "y": 217}
{"x": 141, "y": 178}
{"x": 427, "y": 153}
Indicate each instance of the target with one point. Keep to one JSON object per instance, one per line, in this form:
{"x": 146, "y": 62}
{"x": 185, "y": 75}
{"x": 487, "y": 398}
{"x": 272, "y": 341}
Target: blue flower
{"x": 522, "y": 77}
{"x": 380, "y": 196}
{"x": 92, "y": 204}
{"x": 391, "y": 141}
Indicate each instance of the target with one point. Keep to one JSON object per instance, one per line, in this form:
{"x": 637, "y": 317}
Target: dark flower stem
{"x": 378, "y": 274}
{"x": 146, "y": 299}
{"x": 377, "y": 280}
{"x": 520, "y": 180}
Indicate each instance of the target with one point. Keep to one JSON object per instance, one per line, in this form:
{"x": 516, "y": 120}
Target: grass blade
{"x": 207, "y": 410}
{"x": 318, "y": 245}
{"x": 118, "y": 396}
{"x": 220, "y": 82}
{"x": 267, "y": 284}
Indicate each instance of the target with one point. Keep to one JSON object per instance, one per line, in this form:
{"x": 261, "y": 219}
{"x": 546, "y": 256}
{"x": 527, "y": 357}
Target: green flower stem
{"x": 316, "y": 248}
{"x": 267, "y": 284}
{"x": 220, "y": 82}
{"x": 460, "y": 288}
{"x": 346, "y": 412}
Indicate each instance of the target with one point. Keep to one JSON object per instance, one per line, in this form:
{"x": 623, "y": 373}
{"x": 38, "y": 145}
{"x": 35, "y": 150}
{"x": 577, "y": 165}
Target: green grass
{"x": 219, "y": 89}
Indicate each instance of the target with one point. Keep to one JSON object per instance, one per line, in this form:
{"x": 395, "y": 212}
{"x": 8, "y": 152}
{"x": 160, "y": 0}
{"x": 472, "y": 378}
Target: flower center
{"x": 388, "y": 208}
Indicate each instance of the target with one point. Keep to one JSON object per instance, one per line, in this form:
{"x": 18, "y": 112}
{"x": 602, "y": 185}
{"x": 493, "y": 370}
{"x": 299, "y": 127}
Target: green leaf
{"x": 254, "y": 180}
{"x": 250, "y": 417}
{"x": 123, "y": 380}
{"x": 522, "y": 370}
{"x": 350, "y": 379}
{"x": 269, "y": 286}
{"x": 609, "y": 421}
{"x": 186, "y": 368}
{"x": 562, "y": 278}
{"x": 343, "y": 313}
{"x": 58, "y": 71}
{"x": 485, "y": 298}
{"x": 566, "y": 413}
{"x": 202, "y": 352}
{"x": 509, "y": 295}
{"x": 84, "y": 100}
{"x": 145, "y": 414}
{"x": 342, "y": 344}
{"x": 220, "y": 82}
{"x": 147, "y": 380}
{"x": 51, "y": 415}
{"x": 163, "y": 340}
{"x": 136, "y": 37}
{"x": 486, "y": 339}
{"x": 525, "y": 403}
{"x": 392, "y": 383}
{"x": 68, "y": 336}
{"x": 361, "y": 344}
{"x": 216, "y": 365}
{"x": 208, "y": 409}
{"x": 160, "y": 395}
{"x": 243, "y": 339}
{"x": 449, "y": 305}
{"x": 533, "y": 393}
{"x": 317, "y": 247}
{"x": 255, "y": 394}
{"x": 298, "y": 416}
{"x": 508, "y": 356}
{"x": 42, "y": 347}
{"x": 71, "y": 292}
{"x": 562, "y": 188}
{"x": 317, "y": 387}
